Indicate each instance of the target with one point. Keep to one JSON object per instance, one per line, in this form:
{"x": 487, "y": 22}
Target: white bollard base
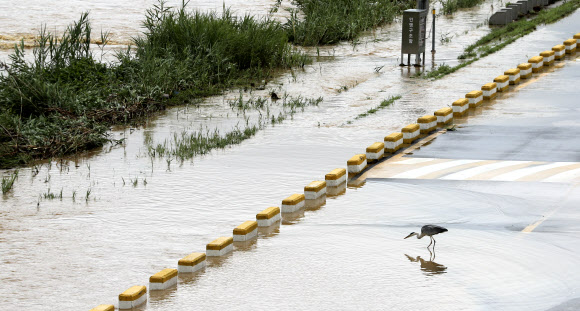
{"x": 460, "y": 110}
{"x": 444, "y": 119}
{"x": 246, "y": 237}
{"x": 336, "y": 182}
{"x": 124, "y": 305}
{"x": 163, "y": 286}
{"x": 410, "y": 137}
{"x": 190, "y": 269}
{"x": 427, "y": 127}
{"x": 311, "y": 195}
{"x": 475, "y": 102}
{"x": 292, "y": 208}
{"x": 221, "y": 252}
{"x": 372, "y": 157}
{"x": 268, "y": 222}
{"x": 355, "y": 169}
{"x": 502, "y": 86}
{"x": 393, "y": 146}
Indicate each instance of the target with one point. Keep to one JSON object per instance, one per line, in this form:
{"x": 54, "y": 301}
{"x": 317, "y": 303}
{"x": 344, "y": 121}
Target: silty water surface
{"x": 93, "y": 249}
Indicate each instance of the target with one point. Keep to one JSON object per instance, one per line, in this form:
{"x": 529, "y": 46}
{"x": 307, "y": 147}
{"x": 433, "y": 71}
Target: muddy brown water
{"x": 76, "y": 254}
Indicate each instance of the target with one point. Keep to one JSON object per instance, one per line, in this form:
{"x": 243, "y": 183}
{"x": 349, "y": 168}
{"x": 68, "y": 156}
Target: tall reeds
{"x": 184, "y": 50}
{"x": 188, "y": 144}
{"x": 65, "y": 100}
{"x": 450, "y": 6}
{"x": 330, "y": 21}
{"x": 8, "y": 182}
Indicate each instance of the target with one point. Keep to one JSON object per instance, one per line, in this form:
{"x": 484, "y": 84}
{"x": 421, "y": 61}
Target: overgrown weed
{"x": 331, "y": 21}
{"x": 64, "y": 101}
{"x": 188, "y": 144}
{"x": 8, "y": 182}
{"x": 385, "y": 103}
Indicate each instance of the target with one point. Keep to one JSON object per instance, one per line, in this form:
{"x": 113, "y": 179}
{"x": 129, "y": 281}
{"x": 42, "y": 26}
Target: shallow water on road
{"x": 124, "y": 216}
{"x": 354, "y": 246}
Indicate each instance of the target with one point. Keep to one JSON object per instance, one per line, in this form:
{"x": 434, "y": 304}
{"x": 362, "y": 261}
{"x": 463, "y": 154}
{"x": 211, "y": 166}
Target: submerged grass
{"x": 385, "y": 103}
{"x": 8, "y": 182}
{"x": 65, "y": 100}
{"x": 499, "y": 38}
{"x": 187, "y": 144}
{"x": 330, "y": 21}
{"x": 48, "y": 195}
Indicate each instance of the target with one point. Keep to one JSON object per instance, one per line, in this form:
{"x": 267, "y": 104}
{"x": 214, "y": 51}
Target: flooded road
{"x": 124, "y": 216}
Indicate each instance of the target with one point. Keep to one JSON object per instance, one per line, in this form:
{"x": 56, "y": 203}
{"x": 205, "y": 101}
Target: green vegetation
{"x": 450, "y": 6}
{"x": 187, "y": 144}
{"x": 319, "y": 22}
{"x": 48, "y": 195}
{"x": 65, "y": 101}
{"x": 499, "y": 38}
{"x": 330, "y": 21}
{"x": 443, "y": 70}
{"x": 383, "y": 104}
{"x": 88, "y": 194}
{"x": 8, "y": 182}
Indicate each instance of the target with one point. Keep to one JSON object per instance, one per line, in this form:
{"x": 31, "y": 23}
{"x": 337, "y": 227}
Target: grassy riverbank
{"x": 330, "y": 21}
{"x": 499, "y": 38}
{"x": 451, "y": 6}
{"x": 65, "y": 100}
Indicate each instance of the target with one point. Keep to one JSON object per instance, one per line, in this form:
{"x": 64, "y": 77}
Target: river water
{"x": 109, "y": 232}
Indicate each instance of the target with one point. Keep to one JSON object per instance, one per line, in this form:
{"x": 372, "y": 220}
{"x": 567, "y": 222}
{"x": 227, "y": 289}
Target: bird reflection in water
{"x": 429, "y": 267}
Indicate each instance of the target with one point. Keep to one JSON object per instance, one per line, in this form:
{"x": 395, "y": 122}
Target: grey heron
{"x": 430, "y": 231}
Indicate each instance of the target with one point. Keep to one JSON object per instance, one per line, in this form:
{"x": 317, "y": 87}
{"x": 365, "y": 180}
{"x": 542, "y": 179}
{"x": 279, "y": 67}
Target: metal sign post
{"x": 433, "y": 42}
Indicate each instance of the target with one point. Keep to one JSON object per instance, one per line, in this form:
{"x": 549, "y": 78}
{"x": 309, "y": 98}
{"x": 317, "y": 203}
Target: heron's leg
{"x": 430, "y": 242}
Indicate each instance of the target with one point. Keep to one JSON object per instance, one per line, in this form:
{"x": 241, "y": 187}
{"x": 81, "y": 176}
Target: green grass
{"x": 385, "y": 103}
{"x": 187, "y": 144}
{"x": 65, "y": 100}
{"x": 88, "y": 194}
{"x": 331, "y": 21}
{"x": 499, "y": 38}
{"x": 450, "y": 6}
{"x": 48, "y": 195}
{"x": 8, "y": 182}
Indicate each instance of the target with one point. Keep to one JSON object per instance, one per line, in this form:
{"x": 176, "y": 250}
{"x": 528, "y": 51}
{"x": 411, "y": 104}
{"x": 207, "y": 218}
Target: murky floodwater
{"x": 23, "y": 19}
{"x": 109, "y": 233}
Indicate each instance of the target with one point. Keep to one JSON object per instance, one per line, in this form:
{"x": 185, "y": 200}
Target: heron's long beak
{"x": 410, "y": 235}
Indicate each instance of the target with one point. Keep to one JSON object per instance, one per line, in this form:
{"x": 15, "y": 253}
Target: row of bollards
{"x": 334, "y": 183}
